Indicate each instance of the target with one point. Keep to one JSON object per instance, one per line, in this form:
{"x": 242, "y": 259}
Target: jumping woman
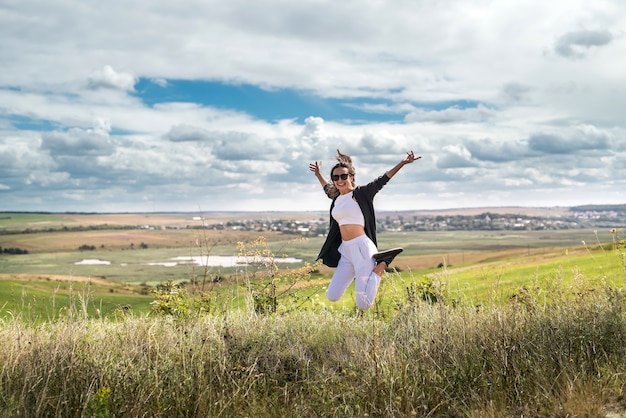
{"x": 351, "y": 245}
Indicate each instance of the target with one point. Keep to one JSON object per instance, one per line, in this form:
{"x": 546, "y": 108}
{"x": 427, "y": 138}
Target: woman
{"x": 351, "y": 242}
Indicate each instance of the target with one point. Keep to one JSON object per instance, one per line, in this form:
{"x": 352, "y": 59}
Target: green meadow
{"x": 475, "y": 266}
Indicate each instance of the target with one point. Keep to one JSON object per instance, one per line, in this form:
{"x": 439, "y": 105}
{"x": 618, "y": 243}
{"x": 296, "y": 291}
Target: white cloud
{"x": 109, "y": 78}
{"x": 77, "y": 142}
{"x": 454, "y": 156}
{"x": 452, "y": 114}
{"x": 584, "y": 138}
{"x": 186, "y": 133}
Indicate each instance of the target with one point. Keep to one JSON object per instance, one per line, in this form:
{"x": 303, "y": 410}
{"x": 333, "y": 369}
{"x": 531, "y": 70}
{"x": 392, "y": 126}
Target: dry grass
{"x": 55, "y": 278}
{"x": 24, "y": 220}
{"x": 524, "y": 359}
{"x": 116, "y": 239}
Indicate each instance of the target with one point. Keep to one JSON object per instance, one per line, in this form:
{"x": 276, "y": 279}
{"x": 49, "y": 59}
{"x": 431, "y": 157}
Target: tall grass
{"x": 561, "y": 356}
{"x": 525, "y": 358}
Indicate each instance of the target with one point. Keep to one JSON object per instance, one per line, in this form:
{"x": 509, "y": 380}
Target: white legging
{"x": 356, "y": 262}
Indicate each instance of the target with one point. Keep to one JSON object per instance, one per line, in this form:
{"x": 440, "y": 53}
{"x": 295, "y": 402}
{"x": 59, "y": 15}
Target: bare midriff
{"x": 351, "y": 231}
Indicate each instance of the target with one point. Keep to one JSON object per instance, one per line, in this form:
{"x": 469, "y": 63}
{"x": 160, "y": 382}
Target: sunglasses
{"x": 336, "y": 177}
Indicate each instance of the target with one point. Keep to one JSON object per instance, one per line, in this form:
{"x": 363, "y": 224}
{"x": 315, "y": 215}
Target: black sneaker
{"x": 387, "y": 256}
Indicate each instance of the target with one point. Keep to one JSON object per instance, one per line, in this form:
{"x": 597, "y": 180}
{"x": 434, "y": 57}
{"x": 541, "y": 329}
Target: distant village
{"x": 399, "y": 221}
{"x": 317, "y": 224}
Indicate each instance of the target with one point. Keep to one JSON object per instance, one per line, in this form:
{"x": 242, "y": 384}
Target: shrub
{"x": 172, "y": 300}
{"x": 14, "y": 251}
{"x": 271, "y": 289}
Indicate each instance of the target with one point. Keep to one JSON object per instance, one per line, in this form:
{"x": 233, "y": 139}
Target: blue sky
{"x": 212, "y": 106}
{"x": 273, "y": 104}
{"x": 265, "y": 104}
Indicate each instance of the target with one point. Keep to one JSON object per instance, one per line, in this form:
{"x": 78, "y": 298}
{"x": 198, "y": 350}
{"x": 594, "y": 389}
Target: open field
{"x": 109, "y": 240}
{"x": 57, "y": 252}
{"x": 471, "y": 323}
{"x": 141, "y": 258}
{"x": 10, "y": 221}
{"x": 47, "y": 297}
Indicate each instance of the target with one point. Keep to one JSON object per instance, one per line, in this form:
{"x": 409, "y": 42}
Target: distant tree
{"x": 14, "y": 251}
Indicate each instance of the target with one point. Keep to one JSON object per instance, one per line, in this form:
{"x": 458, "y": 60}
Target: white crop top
{"x": 347, "y": 210}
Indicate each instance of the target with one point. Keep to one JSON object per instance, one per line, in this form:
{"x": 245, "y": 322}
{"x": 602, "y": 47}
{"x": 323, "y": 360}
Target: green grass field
{"x": 479, "y": 266}
{"x": 47, "y": 299}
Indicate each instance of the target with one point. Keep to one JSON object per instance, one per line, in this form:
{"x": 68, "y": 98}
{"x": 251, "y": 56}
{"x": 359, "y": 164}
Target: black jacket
{"x": 364, "y": 195}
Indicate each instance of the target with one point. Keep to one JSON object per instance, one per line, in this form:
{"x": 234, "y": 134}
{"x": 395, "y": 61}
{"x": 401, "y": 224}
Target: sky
{"x": 207, "y": 105}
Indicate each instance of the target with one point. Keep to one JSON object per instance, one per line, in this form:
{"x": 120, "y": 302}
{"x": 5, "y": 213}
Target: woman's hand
{"x": 410, "y": 157}
{"x": 316, "y": 167}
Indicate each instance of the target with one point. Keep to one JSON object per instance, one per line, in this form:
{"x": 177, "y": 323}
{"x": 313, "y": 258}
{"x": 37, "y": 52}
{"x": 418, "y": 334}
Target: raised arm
{"x": 316, "y": 168}
{"x": 410, "y": 157}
